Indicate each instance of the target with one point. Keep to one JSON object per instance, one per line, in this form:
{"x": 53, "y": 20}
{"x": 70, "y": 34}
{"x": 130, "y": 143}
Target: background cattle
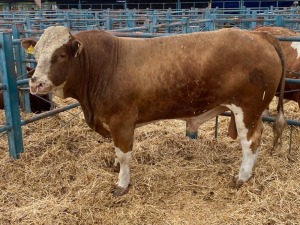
{"x": 38, "y": 103}
{"x": 292, "y": 55}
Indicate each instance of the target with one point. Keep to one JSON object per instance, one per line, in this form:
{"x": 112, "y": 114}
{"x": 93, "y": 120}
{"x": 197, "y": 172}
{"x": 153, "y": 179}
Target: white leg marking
{"x": 116, "y": 162}
{"x": 249, "y": 158}
{"x": 248, "y": 161}
{"x": 124, "y": 175}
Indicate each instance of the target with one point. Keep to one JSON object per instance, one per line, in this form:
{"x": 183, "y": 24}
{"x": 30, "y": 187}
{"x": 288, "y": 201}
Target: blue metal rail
{"x": 10, "y": 51}
{"x": 11, "y": 106}
{"x": 206, "y": 19}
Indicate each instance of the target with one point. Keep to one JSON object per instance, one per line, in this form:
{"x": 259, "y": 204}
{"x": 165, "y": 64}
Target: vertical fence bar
{"x": 168, "y": 20}
{"x": 216, "y": 127}
{"x": 11, "y": 104}
{"x": 153, "y": 18}
{"x": 185, "y": 25}
{"x": 108, "y": 22}
{"x": 21, "y": 70}
{"x": 279, "y": 21}
{"x": 254, "y": 16}
{"x": 28, "y": 23}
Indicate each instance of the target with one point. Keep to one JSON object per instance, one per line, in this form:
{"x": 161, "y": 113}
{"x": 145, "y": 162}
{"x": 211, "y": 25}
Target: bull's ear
{"x": 28, "y": 42}
{"x": 77, "y": 47}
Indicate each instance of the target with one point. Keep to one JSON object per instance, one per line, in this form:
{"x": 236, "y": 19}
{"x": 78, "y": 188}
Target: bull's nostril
{"x": 33, "y": 79}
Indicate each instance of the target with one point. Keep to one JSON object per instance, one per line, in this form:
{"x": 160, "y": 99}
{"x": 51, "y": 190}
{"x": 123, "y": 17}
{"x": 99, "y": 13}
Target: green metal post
{"x": 79, "y": 4}
{"x": 178, "y": 5}
{"x": 11, "y": 102}
{"x": 216, "y": 127}
{"x": 21, "y": 70}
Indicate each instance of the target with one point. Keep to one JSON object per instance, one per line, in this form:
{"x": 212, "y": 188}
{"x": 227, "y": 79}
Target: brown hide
{"x": 38, "y": 104}
{"x": 123, "y": 82}
{"x": 292, "y": 60}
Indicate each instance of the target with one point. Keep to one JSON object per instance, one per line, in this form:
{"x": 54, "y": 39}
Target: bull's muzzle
{"x": 38, "y": 87}
{"x": 34, "y": 87}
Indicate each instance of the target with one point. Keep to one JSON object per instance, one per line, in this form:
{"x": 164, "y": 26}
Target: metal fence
{"x": 154, "y": 21}
{"x": 125, "y": 23}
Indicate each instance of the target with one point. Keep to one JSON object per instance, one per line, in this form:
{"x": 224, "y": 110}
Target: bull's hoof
{"x": 116, "y": 168}
{"x": 119, "y": 191}
{"x": 237, "y": 183}
{"x": 191, "y": 134}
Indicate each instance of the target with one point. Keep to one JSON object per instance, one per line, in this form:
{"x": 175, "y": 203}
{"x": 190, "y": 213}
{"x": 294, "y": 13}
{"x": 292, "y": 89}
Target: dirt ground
{"x": 65, "y": 176}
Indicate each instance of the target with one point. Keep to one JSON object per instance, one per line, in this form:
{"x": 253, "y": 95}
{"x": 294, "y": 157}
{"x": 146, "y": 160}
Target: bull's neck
{"x": 92, "y": 75}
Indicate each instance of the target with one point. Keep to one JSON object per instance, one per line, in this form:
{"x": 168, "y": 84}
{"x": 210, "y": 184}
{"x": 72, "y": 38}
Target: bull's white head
{"x": 52, "y": 53}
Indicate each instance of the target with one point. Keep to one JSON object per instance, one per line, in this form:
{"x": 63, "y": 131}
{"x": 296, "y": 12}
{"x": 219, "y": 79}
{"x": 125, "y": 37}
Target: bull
{"x": 122, "y": 83}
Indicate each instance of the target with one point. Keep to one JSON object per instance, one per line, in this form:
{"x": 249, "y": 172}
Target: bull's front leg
{"x": 122, "y": 132}
{"x": 123, "y": 159}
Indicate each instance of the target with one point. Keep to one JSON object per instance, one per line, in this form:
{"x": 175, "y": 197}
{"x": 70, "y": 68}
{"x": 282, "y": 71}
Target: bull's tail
{"x": 280, "y": 121}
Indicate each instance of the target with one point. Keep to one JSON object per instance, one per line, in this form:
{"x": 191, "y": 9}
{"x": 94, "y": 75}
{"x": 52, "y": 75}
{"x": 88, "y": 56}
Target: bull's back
{"x": 183, "y": 53}
{"x": 200, "y": 71}
{"x": 199, "y": 59}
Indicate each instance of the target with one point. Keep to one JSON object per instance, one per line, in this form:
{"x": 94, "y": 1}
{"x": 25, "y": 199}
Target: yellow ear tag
{"x": 30, "y": 50}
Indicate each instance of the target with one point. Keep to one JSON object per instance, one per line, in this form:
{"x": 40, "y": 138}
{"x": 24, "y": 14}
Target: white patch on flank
{"x": 239, "y": 119}
{"x": 124, "y": 175}
{"x": 52, "y": 39}
{"x": 296, "y": 45}
{"x": 249, "y": 158}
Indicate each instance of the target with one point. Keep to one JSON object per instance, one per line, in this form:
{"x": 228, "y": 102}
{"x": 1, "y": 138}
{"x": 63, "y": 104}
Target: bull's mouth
{"x": 39, "y": 88}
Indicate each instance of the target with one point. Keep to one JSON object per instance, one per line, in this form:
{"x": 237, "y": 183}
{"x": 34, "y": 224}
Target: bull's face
{"x": 53, "y": 53}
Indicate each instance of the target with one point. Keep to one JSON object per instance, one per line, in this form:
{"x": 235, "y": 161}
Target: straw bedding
{"x": 65, "y": 176}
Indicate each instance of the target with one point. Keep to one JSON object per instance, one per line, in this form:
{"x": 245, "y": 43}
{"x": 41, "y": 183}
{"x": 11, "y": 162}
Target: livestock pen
{"x": 154, "y": 21}
{"x": 65, "y": 175}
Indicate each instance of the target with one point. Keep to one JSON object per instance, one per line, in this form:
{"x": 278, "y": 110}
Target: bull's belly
{"x": 175, "y": 111}
{"x": 195, "y": 119}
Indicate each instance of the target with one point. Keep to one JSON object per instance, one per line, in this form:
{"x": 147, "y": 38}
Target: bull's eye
{"x": 62, "y": 54}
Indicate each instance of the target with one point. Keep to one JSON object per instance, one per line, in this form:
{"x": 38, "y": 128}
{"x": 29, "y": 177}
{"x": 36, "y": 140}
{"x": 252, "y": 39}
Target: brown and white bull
{"x": 122, "y": 83}
{"x": 292, "y": 55}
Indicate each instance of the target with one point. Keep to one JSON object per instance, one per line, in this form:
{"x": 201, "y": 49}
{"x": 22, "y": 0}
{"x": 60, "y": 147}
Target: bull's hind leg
{"x": 249, "y": 128}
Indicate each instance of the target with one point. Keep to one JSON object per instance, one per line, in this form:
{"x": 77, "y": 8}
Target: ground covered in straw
{"x": 65, "y": 177}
